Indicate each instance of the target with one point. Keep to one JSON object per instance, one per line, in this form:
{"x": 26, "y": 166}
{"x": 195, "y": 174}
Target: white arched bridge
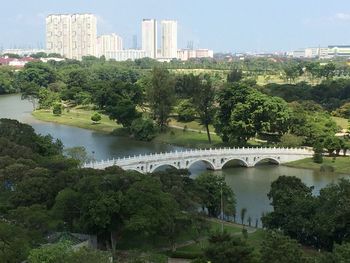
{"x": 215, "y": 159}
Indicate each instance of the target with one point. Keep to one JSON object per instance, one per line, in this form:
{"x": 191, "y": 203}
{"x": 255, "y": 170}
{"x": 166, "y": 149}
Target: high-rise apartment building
{"x": 149, "y": 37}
{"x": 169, "y": 39}
{"x": 84, "y": 33}
{"x": 72, "y": 36}
{"x": 108, "y": 44}
{"x": 58, "y": 35}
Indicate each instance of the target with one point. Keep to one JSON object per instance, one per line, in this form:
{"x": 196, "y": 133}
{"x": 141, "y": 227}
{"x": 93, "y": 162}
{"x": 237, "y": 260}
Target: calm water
{"x": 249, "y": 184}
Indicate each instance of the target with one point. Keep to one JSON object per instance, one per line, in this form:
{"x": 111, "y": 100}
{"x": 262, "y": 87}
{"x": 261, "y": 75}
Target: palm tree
{"x": 234, "y": 214}
{"x": 243, "y": 213}
{"x": 249, "y": 221}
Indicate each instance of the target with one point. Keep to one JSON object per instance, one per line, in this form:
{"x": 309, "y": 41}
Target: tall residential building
{"x": 58, "y": 35}
{"x": 169, "y": 39}
{"x": 84, "y": 33}
{"x": 106, "y": 44}
{"x": 72, "y": 36}
{"x": 149, "y": 37}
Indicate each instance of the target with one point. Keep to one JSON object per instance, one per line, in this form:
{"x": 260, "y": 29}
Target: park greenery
{"x": 134, "y": 94}
{"x": 144, "y": 96}
{"x": 44, "y": 191}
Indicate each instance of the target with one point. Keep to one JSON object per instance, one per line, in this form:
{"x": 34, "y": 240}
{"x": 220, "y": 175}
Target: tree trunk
{"x": 113, "y": 244}
{"x": 208, "y": 132}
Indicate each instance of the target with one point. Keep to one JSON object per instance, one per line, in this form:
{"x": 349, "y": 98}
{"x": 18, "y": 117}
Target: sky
{"x": 221, "y": 25}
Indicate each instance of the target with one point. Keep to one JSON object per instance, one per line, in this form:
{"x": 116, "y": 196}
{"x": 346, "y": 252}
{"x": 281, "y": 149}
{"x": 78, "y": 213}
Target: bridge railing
{"x": 199, "y": 153}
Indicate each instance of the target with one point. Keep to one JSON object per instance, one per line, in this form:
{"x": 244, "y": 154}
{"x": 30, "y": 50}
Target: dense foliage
{"x": 318, "y": 221}
{"x": 42, "y": 191}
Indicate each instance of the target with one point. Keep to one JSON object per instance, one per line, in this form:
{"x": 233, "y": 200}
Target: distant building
{"x": 72, "y": 36}
{"x": 186, "y": 54}
{"x": 134, "y": 42}
{"x": 339, "y": 51}
{"x": 300, "y": 53}
{"x": 316, "y": 52}
{"x": 59, "y": 35}
{"x": 15, "y": 62}
{"x": 169, "y": 39}
{"x": 149, "y": 37}
{"x": 108, "y": 43}
{"x": 204, "y": 53}
{"x": 23, "y": 52}
{"x": 128, "y": 54}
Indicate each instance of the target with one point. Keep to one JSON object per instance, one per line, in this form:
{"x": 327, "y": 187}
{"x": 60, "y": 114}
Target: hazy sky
{"x": 222, "y": 25}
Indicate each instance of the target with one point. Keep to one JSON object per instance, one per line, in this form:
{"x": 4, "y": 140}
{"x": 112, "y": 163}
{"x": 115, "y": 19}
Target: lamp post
{"x": 222, "y": 208}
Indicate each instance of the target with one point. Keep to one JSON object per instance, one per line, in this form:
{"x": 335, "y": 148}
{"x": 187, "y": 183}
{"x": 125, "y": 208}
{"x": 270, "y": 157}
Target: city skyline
{"x": 225, "y": 26}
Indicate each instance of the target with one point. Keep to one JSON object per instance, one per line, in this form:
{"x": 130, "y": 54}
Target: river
{"x": 250, "y": 185}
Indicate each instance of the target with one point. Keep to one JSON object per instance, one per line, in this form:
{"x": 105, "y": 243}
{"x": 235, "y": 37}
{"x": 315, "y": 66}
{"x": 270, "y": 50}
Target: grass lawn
{"x": 342, "y": 122}
{"x": 191, "y": 125}
{"x": 81, "y": 118}
{"x": 341, "y": 164}
{"x": 78, "y": 118}
{"x": 254, "y": 239}
{"x": 188, "y": 138}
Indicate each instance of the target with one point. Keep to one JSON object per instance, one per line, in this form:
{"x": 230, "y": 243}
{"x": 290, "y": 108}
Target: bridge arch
{"x": 272, "y": 160}
{"x": 152, "y": 167}
{"x": 207, "y": 162}
{"x": 239, "y": 160}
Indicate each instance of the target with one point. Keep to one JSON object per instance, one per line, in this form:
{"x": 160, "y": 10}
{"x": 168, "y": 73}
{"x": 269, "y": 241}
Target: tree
{"x": 35, "y": 219}
{"x": 332, "y": 215}
{"x": 14, "y": 243}
{"x": 160, "y": 93}
{"x": 235, "y": 75}
{"x": 294, "y": 206}
{"x": 209, "y": 187}
{"x": 328, "y": 71}
{"x": 119, "y": 99}
{"x": 244, "y": 112}
{"x": 63, "y": 252}
{"x": 143, "y": 129}
{"x": 47, "y": 98}
{"x": 67, "y": 207}
{"x": 33, "y": 190}
{"x": 78, "y": 153}
{"x": 318, "y": 152}
{"x": 203, "y": 102}
{"x": 277, "y": 248}
{"x": 332, "y": 144}
{"x": 6, "y": 80}
{"x": 153, "y": 212}
{"x": 290, "y": 140}
{"x": 243, "y": 213}
{"x": 96, "y": 117}
{"x": 292, "y": 72}
{"x": 186, "y": 111}
{"x": 57, "y": 109}
{"x": 224, "y": 248}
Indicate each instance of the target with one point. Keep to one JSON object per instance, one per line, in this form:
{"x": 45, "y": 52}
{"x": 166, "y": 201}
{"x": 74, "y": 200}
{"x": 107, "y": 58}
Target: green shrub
{"x": 96, "y": 117}
{"x": 186, "y": 254}
{"x": 57, "y": 109}
{"x": 143, "y": 129}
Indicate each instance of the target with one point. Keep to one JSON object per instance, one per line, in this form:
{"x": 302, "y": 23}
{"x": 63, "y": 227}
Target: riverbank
{"x": 340, "y": 164}
{"x": 191, "y": 137}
